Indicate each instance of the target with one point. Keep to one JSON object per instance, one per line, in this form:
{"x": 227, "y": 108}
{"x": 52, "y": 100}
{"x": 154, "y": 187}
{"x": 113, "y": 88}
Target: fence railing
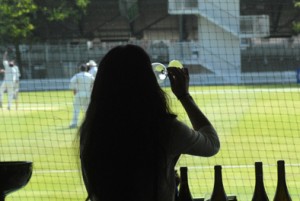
{"x": 59, "y": 61}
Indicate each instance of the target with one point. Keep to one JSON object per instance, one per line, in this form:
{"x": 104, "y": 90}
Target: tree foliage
{"x": 20, "y": 18}
{"x": 296, "y": 25}
{"x": 62, "y": 14}
{"x": 60, "y": 10}
{"x": 15, "y": 19}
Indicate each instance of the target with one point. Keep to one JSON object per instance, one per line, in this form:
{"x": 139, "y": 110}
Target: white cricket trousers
{"x": 9, "y": 86}
{"x": 80, "y": 103}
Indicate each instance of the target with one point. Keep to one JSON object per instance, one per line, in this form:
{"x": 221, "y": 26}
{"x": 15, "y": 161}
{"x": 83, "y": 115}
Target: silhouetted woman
{"x": 130, "y": 141}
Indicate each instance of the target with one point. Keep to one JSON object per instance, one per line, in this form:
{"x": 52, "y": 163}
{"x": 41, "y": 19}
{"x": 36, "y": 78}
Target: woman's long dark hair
{"x": 121, "y": 135}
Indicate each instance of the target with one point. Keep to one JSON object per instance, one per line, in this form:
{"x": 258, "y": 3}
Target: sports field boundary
{"x": 195, "y": 79}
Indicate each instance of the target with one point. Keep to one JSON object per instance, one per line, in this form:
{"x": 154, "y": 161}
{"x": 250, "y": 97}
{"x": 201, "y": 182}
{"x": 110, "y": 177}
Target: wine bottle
{"x": 282, "y": 193}
{"x": 259, "y": 190}
{"x": 218, "y": 193}
{"x": 184, "y": 190}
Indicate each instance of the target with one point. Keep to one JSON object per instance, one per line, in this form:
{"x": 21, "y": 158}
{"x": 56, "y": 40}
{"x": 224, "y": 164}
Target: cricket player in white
{"x": 9, "y": 81}
{"x": 17, "y": 86}
{"x": 17, "y": 83}
{"x": 81, "y": 84}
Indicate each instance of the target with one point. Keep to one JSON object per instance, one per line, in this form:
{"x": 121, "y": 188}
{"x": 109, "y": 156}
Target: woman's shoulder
{"x": 170, "y": 120}
{"x": 175, "y": 123}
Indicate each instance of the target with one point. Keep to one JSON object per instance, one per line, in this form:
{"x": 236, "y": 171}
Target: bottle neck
{"x": 218, "y": 190}
{"x": 218, "y": 178}
{"x": 184, "y": 191}
{"x": 259, "y": 180}
{"x": 282, "y": 190}
{"x": 281, "y": 174}
{"x": 183, "y": 176}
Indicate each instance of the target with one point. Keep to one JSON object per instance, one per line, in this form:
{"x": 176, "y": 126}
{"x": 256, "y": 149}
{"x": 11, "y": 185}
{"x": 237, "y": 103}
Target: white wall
{"x": 218, "y": 33}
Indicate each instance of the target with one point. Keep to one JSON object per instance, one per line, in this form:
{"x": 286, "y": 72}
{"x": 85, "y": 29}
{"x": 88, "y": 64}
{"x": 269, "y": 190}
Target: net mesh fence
{"x": 244, "y": 63}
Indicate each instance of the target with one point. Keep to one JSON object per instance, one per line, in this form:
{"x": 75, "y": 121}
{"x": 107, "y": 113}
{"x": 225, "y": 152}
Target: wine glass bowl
{"x": 160, "y": 71}
{"x": 13, "y": 176}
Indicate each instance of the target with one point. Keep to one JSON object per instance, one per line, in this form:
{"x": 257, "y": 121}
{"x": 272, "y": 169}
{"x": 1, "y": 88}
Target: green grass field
{"x": 255, "y": 123}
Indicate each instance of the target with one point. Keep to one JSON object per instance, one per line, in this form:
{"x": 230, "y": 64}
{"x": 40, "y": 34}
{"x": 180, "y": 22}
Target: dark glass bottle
{"x": 184, "y": 190}
{"x": 282, "y": 193}
{"x": 259, "y": 191}
{"x": 218, "y": 193}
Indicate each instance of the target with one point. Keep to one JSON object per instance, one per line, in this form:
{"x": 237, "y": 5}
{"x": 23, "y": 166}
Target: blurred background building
{"x": 220, "y": 41}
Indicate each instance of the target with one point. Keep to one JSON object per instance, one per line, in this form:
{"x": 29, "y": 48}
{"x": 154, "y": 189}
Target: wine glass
{"x": 160, "y": 70}
{"x": 13, "y": 176}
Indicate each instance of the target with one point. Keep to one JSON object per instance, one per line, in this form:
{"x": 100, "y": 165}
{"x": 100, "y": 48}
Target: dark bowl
{"x": 14, "y": 175}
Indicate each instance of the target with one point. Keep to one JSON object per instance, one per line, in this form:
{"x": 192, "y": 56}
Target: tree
{"x": 20, "y": 18}
{"x": 15, "y": 23}
{"x": 61, "y": 13}
{"x": 296, "y": 25}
